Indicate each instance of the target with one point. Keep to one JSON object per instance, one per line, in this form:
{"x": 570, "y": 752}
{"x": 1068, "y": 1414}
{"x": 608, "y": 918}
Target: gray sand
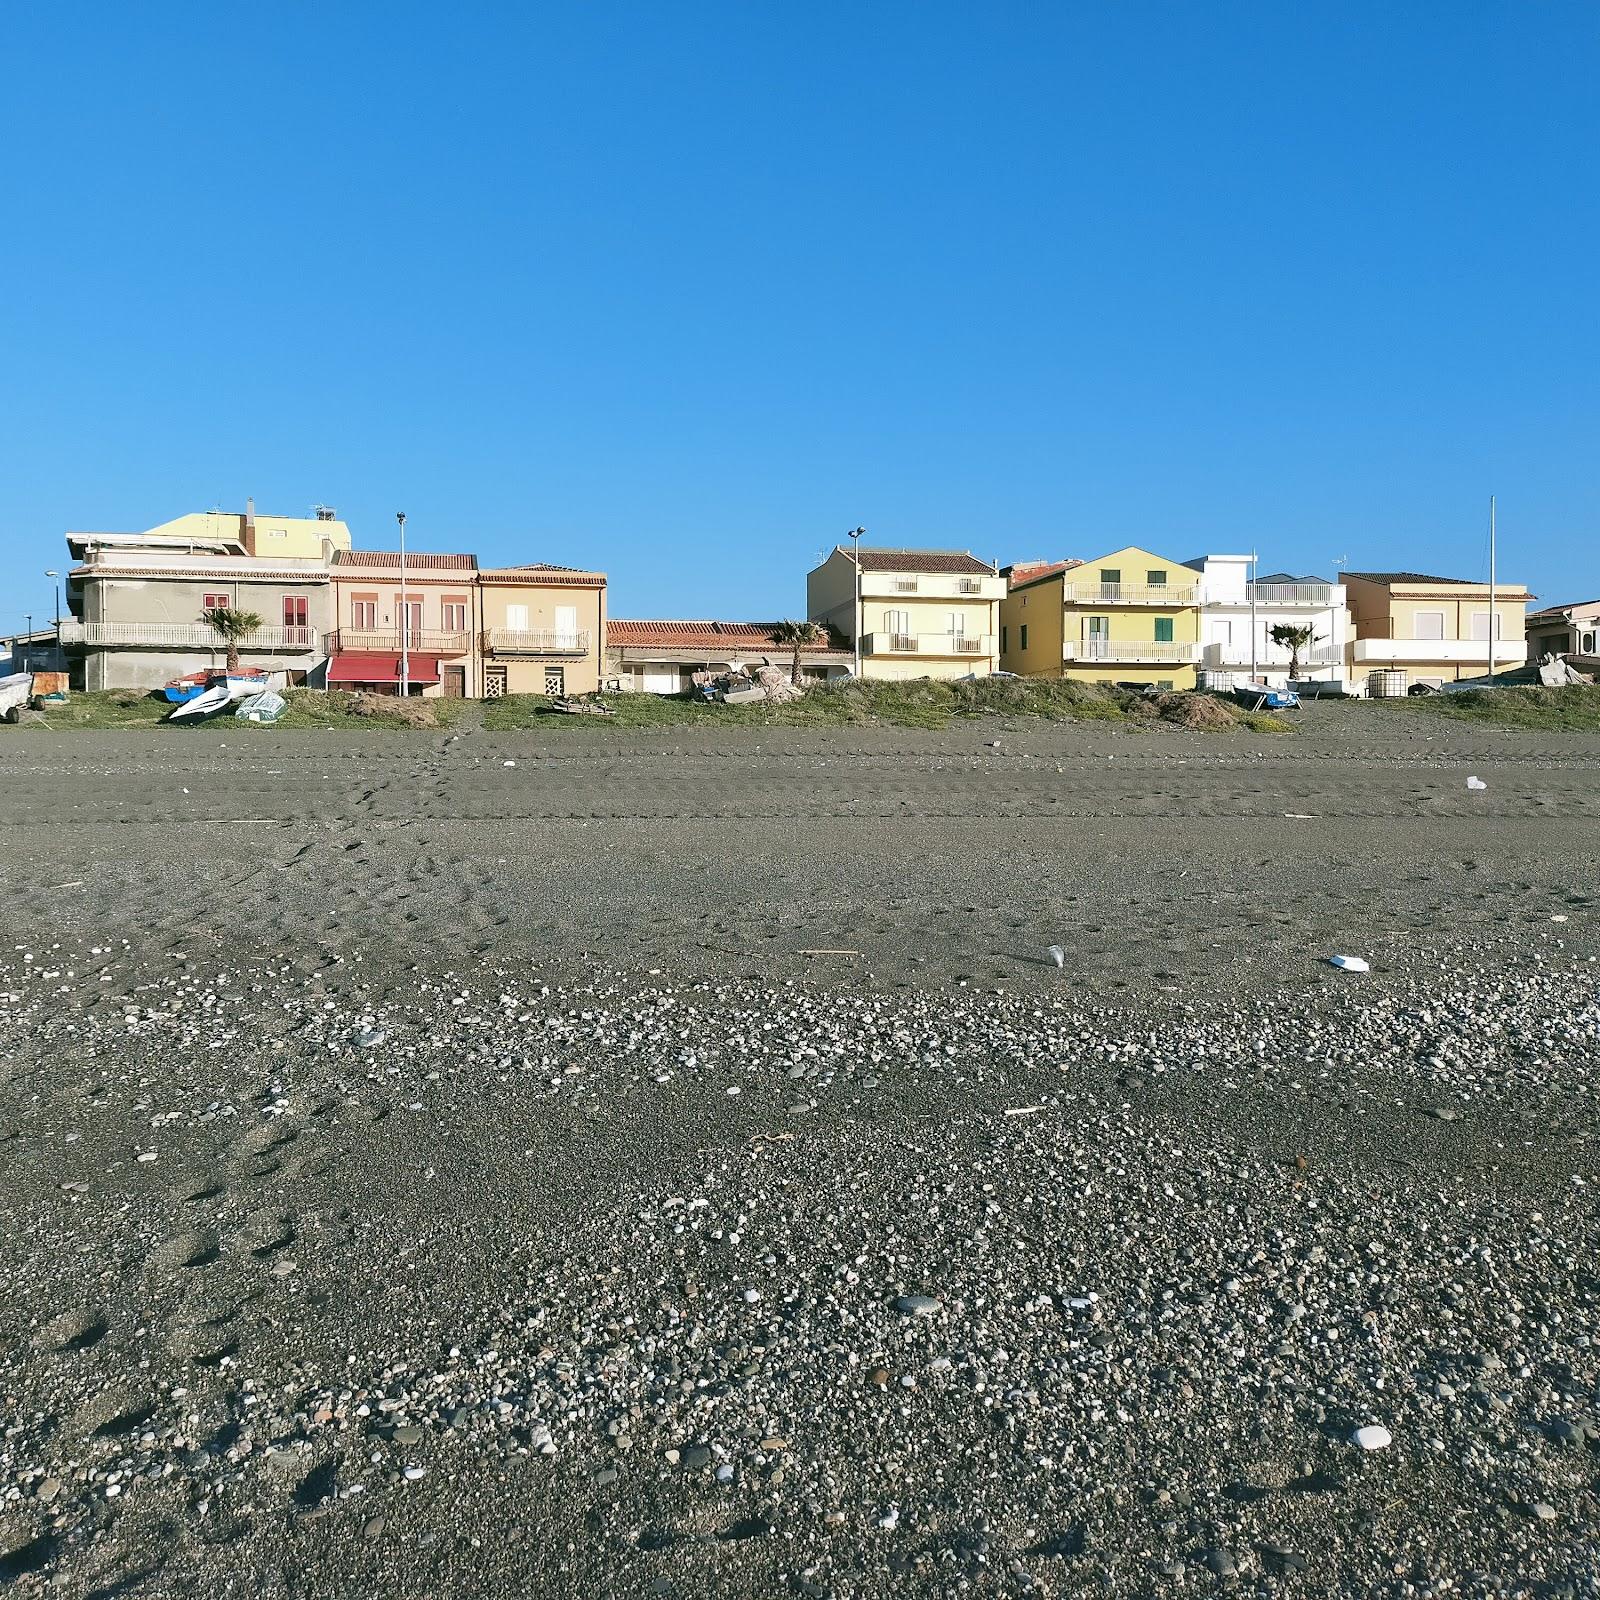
{"x": 427, "y": 1175}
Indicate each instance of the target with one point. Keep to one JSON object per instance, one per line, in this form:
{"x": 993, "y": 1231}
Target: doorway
{"x": 455, "y": 683}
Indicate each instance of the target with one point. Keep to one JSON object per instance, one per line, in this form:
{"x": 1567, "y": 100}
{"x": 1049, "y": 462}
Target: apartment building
{"x": 435, "y": 618}
{"x": 137, "y": 600}
{"x": 661, "y": 657}
{"x": 1572, "y": 631}
{"x": 1230, "y": 599}
{"x": 1433, "y": 630}
{"x": 911, "y": 613}
{"x": 542, "y": 630}
{"x": 1130, "y": 616}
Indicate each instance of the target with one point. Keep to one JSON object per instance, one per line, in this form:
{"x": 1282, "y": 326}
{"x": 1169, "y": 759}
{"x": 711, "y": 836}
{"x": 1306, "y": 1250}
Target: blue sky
{"x": 685, "y": 291}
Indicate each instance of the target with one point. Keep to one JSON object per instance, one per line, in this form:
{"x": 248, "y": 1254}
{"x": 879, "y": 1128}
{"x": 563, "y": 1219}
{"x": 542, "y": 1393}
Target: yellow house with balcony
{"x": 913, "y": 613}
{"x": 543, "y": 630}
{"x": 1129, "y": 617}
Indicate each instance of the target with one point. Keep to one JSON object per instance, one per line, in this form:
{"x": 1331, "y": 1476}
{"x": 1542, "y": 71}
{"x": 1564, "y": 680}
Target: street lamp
{"x": 29, "y": 637}
{"x": 405, "y": 615}
{"x": 854, "y": 536}
{"x": 50, "y": 572}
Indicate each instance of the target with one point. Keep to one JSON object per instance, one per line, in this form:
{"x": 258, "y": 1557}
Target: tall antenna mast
{"x": 1492, "y": 618}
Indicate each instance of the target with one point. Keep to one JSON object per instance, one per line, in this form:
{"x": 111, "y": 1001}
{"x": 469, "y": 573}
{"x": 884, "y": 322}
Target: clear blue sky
{"x": 686, "y": 290}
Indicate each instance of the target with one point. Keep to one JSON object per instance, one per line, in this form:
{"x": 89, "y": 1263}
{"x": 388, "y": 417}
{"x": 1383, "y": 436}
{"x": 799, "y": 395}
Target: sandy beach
{"x": 583, "y": 1162}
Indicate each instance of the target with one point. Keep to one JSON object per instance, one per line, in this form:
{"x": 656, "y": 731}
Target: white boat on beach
{"x": 15, "y": 691}
{"x": 205, "y": 704}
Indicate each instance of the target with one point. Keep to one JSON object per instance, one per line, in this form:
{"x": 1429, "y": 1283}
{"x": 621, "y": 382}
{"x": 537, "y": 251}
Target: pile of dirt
{"x": 1200, "y": 711}
{"x": 391, "y": 708}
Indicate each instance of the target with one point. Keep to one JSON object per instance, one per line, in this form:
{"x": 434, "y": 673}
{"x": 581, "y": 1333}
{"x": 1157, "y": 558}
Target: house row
{"x": 335, "y": 616}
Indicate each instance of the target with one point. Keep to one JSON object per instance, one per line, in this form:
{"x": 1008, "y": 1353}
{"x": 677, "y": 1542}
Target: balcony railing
{"x": 1162, "y": 650}
{"x": 1133, "y": 594}
{"x": 1220, "y": 653}
{"x": 927, "y": 644}
{"x": 182, "y": 636}
{"x": 537, "y": 641}
{"x": 429, "y": 641}
{"x": 1292, "y": 594}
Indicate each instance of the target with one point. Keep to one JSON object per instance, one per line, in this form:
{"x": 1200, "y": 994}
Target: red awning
{"x": 367, "y": 666}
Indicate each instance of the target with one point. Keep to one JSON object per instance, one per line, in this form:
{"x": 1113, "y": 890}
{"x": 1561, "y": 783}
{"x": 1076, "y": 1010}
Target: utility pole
{"x": 29, "y": 637}
{"x": 1254, "y": 559}
{"x": 1491, "y": 592}
{"x": 50, "y": 572}
{"x": 854, "y": 536}
{"x": 405, "y": 615}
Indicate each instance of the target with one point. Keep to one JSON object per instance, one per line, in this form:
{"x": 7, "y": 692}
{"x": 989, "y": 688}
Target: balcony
{"x": 537, "y": 641}
{"x": 426, "y": 641}
{"x": 1292, "y": 594}
{"x": 1161, "y": 650}
{"x": 1414, "y": 652}
{"x": 182, "y": 636}
{"x": 1133, "y": 594}
{"x": 932, "y": 586}
{"x": 927, "y": 644}
{"x": 1236, "y": 655}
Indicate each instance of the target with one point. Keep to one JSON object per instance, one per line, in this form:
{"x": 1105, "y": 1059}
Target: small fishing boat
{"x": 208, "y": 703}
{"x": 15, "y": 690}
{"x": 186, "y": 687}
{"x": 246, "y": 681}
{"x": 1259, "y": 695}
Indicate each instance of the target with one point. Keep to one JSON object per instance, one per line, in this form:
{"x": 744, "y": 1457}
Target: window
{"x": 1427, "y": 625}
{"x": 1024, "y": 632}
{"x": 1480, "y": 626}
{"x": 215, "y": 601}
{"x": 363, "y": 611}
{"x": 555, "y": 681}
{"x": 494, "y": 683}
{"x": 409, "y": 611}
{"x": 897, "y": 622}
{"x": 1005, "y": 638}
{"x": 455, "y": 614}
{"x": 1163, "y": 630}
{"x": 517, "y": 618}
{"x": 1156, "y": 577}
{"x": 1163, "y": 683}
{"x": 1110, "y": 577}
{"x": 294, "y": 611}
{"x": 567, "y": 627}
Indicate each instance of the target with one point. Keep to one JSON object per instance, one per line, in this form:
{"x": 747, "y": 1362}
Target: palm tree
{"x": 797, "y": 635}
{"x": 1296, "y": 637}
{"x": 231, "y": 625}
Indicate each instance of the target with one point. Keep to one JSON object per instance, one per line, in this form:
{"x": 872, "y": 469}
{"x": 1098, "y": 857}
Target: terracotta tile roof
{"x": 1561, "y": 610}
{"x": 544, "y": 572}
{"x": 1407, "y": 577}
{"x": 416, "y": 561}
{"x": 752, "y": 636}
{"x": 310, "y": 573}
{"x": 1025, "y": 572}
{"x": 878, "y": 559}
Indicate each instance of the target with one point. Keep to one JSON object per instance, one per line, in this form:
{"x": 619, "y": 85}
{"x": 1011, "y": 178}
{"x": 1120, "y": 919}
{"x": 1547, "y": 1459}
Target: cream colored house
{"x": 1434, "y": 630}
{"x": 912, "y": 613}
{"x": 1129, "y": 617}
{"x": 542, "y": 630}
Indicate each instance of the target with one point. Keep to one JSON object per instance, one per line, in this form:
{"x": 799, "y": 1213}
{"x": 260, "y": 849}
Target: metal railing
{"x": 1220, "y": 653}
{"x": 184, "y": 636}
{"x": 905, "y": 585}
{"x": 1128, "y": 650}
{"x": 1133, "y": 594}
{"x": 1292, "y": 594}
{"x": 538, "y": 641}
{"x": 968, "y": 586}
{"x": 429, "y": 641}
{"x": 928, "y": 644}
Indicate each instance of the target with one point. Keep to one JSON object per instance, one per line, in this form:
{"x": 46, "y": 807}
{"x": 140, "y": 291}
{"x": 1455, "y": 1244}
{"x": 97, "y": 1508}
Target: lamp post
{"x": 29, "y": 637}
{"x": 854, "y": 536}
{"x": 405, "y": 615}
{"x": 50, "y": 572}
{"x": 1254, "y": 560}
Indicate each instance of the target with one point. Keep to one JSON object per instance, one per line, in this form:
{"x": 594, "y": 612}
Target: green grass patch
{"x": 307, "y": 708}
{"x": 1574, "y": 708}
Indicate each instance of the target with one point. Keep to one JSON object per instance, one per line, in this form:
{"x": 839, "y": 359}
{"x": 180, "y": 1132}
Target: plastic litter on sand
{"x": 1057, "y": 955}
{"x": 1476, "y": 783}
{"x": 1349, "y": 963}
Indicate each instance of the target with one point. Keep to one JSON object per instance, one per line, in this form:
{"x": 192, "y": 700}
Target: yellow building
{"x": 543, "y": 630}
{"x": 1434, "y": 630}
{"x": 1129, "y": 617}
{"x": 273, "y": 538}
{"x": 912, "y": 613}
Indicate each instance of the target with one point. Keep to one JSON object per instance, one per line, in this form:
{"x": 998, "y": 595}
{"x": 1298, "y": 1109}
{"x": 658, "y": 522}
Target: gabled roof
{"x": 877, "y": 558}
{"x": 1287, "y": 577}
{"x": 1025, "y": 572}
{"x": 757, "y": 637}
{"x": 416, "y": 561}
{"x": 535, "y": 573}
{"x": 1408, "y": 577}
{"x": 1552, "y": 613}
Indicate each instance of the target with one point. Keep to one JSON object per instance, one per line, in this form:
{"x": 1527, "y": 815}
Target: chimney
{"x": 250, "y": 525}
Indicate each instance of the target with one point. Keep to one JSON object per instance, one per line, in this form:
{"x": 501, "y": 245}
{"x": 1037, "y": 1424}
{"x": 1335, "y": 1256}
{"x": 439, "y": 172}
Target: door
{"x": 410, "y": 621}
{"x": 1096, "y": 637}
{"x": 494, "y": 683}
{"x": 455, "y": 683}
{"x": 517, "y": 619}
{"x": 555, "y": 681}
{"x": 295, "y": 617}
{"x": 567, "y": 627}
{"x": 662, "y": 680}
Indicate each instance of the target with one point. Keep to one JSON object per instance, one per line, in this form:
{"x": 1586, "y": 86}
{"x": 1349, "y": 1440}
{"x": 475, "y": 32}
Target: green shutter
{"x": 1163, "y": 630}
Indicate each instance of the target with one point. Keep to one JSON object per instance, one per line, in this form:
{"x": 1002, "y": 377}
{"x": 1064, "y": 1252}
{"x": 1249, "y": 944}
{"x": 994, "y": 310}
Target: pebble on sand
{"x": 1373, "y": 1437}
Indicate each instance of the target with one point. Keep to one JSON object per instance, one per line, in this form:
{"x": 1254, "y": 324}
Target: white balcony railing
{"x": 1223, "y": 654}
{"x": 1133, "y": 594}
{"x": 1160, "y": 650}
{"x": 428, "y": 641}
{"x": 927, "y": 644}
{"x": 1407, "y": 652}
{"x": 538, "y": 641}
{"x": 1292, "y": 594}
{"x": 183, "y": 636}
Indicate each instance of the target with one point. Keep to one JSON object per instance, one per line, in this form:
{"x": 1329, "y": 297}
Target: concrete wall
{"x": 1036, "y": 606}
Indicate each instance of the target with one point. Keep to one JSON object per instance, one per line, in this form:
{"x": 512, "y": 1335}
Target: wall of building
{"x": 274, "y": 538}
{"x": 544, "y": 603}
{"x": 830, "y": 594}
{"x": 1038, "y": 607}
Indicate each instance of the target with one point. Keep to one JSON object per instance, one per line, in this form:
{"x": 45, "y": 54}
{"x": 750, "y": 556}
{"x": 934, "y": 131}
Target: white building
{"x": 1280, "y": 600}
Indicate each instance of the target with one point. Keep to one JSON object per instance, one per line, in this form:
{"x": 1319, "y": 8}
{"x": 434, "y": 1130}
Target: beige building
{"x": 138, "y": 599}
{"x": 436, "y": 613}
{"x": 542, "y": 630}
{"x": 1434, "y": 630}
{"x": 912, "y": 613}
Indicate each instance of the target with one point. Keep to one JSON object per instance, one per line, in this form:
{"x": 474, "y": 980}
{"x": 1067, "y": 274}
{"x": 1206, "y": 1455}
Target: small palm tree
{"x": 231, "y": 625}
{"x": 1295, "y": 638}
{"x": 797, "y": 635}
